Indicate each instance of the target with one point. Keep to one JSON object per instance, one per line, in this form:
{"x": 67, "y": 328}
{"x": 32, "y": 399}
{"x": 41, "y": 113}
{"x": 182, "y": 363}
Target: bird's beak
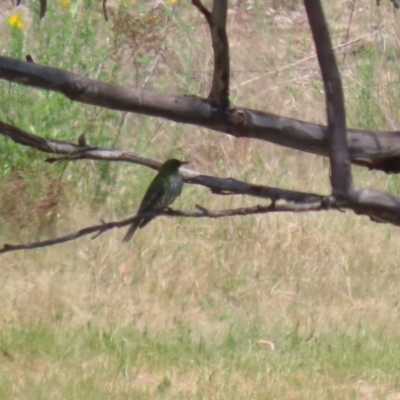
{"x": 185, "y": 162}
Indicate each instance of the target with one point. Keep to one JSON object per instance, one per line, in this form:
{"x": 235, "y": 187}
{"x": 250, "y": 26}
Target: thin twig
{"x": 348, "y": 29}
{"x": 202, "y": 213}
{"x": 296, "y": 63}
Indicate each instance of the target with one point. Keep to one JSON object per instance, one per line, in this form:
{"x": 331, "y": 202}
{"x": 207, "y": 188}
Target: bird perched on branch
{"x": 162, "y": 192}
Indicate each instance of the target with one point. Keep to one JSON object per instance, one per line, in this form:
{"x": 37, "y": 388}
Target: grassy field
{"x": 258, "y": 307}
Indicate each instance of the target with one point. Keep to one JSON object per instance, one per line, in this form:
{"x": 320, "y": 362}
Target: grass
{"x": 179, "y": 364}
{"x": 261, "y": 307}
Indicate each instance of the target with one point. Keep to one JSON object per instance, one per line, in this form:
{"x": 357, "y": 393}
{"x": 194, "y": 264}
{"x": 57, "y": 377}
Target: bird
{"x": 161, "y": 193}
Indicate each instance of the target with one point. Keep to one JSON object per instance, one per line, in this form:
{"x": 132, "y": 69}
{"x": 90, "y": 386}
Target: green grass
{"x": 124, "y": 361}
{"x": 257, "y": 307}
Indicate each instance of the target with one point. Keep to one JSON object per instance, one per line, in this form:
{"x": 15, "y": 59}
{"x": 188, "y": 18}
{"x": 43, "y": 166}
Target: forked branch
{"x": 377, "y": 205}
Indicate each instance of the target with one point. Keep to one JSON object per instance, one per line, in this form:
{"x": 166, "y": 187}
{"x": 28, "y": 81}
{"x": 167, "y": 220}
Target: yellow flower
{"x": 15, "y": 21}
{"x": 65, "y": 3}
{"x": 172, "y": 1}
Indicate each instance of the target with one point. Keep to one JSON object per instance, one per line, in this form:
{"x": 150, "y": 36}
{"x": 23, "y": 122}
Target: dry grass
{"x": 282, "y": 306}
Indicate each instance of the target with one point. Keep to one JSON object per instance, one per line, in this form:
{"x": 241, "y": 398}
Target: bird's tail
{"x": 131, "y": 231}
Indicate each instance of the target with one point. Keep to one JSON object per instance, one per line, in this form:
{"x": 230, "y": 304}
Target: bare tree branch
{"x": 105, "y": 10}
{"x": 75, "y": 152}
{"x": 339, "y": 156}
{"x": 377, "y": 205}
{"x": 375, "y": 150}
{"x": 219, "y": 94}
{"x": 202, "y": 213}
{"x": 203, "y": 10}
{"x": 43, "y": 6}
{"x": 230, "y": 186}
{"x": 394, "y": 2}
{"x": 323, "y": 205}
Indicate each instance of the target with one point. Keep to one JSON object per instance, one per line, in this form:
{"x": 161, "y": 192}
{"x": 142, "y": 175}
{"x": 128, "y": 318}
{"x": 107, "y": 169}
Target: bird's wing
{"x": 152, "y": 196}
